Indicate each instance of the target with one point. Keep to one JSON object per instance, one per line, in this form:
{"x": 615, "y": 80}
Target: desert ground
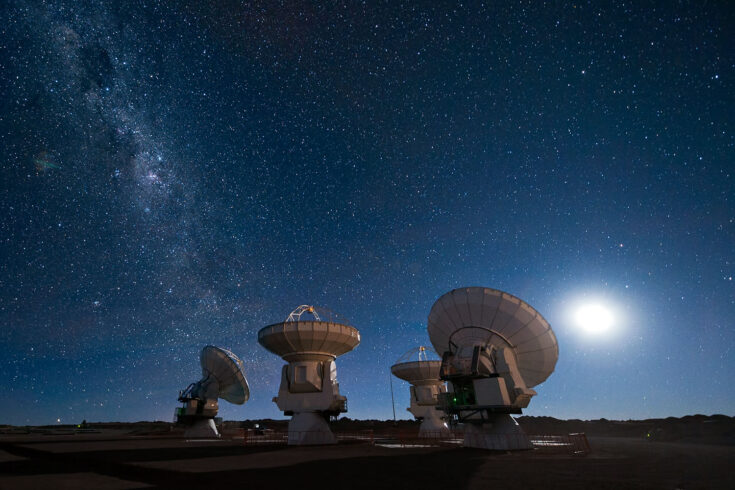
{"x": 127, "y": 456}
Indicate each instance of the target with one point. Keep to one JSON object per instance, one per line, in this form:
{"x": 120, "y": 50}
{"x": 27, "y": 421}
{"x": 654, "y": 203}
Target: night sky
{"x": 177, "y": 174}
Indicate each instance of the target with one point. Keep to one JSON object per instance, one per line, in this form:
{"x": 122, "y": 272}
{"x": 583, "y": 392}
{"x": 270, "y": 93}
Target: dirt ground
{"x": 111, "y": 460}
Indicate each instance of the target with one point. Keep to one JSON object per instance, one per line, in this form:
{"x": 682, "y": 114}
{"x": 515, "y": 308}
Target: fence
{"x": 576, "y": 444}
{"x": 411, "y": 438}
{"x": 271, "y": 437}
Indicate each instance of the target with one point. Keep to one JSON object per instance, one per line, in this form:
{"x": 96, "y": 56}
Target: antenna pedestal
{"x": 426, "y": 387}
{"x": 309, "y": 428}
{"x": 309, "y": 392}
{"x": 501, "y": 433}
{"x": 202, "y": 428}
{"x": 432, "y": 424}
{"x": 423, "y": 407}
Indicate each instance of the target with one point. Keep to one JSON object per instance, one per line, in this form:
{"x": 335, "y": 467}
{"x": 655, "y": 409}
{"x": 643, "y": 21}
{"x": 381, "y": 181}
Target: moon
{"x": 594, "y": 318}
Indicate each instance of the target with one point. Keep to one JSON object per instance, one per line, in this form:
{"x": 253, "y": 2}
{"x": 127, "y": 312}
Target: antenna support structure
{"x": 309, "y": 390}
{"x": 422, "y": 373}
{"x": 222, "y": 377}
{"x": 494, "y": 349}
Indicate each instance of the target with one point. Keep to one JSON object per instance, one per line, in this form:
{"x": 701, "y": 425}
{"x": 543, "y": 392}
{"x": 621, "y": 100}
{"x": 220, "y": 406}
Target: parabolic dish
{"x": 309, "y": 339}
{"x": 499, "y": 319}
{"x": 417, "y": 371}
{"x": 226, "y": 367}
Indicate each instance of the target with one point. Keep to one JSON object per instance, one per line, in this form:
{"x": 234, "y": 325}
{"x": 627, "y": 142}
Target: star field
{"x": 177, "y": 174}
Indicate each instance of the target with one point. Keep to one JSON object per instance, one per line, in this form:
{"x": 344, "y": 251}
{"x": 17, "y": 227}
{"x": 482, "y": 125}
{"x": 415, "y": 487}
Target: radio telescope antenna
{"x": 309, "y": 390}
{"x": 494, "y": 348}
{"x": 222, "y": 377}
{"x": 420, "y": 367}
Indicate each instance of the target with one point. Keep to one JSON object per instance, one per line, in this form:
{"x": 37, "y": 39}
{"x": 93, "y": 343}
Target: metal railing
{"x": 411, "y": 438}
{"x": 271, "y": 437}
{"x": 498, "y": 442}
{"x": 576, "y": 444}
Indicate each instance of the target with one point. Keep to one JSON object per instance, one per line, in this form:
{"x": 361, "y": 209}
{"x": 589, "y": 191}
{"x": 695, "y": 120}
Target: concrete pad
{"x": 71, "y": 481}
{"x": 120, "y": 445}
{"x": 271, "y": 459}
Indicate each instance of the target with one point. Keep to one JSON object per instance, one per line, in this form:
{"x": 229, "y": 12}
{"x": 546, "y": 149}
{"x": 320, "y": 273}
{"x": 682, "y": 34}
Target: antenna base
{"x": 433, "y": 426}
{"x": 202, "y": 429}
{"x": 308, "y": 429}
{"x": 500, "y": 433}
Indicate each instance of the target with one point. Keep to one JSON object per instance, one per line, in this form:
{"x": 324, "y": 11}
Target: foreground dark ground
{"x": 148, "y": 457}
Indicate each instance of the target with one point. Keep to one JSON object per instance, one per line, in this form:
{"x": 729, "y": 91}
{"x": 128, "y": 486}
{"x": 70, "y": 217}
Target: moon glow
{"x": 594, "y": 318}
